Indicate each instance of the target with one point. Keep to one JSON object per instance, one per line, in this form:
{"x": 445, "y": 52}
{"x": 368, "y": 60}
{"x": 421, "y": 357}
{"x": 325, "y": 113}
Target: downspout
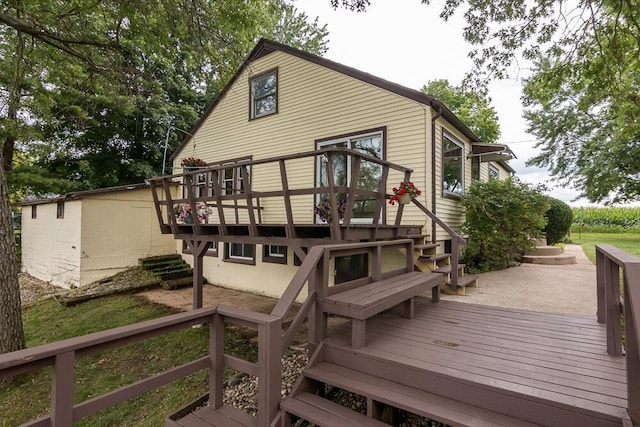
{"x": 438, "y": 111}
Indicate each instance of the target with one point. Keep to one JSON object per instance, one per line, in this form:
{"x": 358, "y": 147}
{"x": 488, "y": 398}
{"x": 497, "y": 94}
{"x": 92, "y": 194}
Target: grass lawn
{"x": 29, "y": 397}
{"x": 629, "y": 242}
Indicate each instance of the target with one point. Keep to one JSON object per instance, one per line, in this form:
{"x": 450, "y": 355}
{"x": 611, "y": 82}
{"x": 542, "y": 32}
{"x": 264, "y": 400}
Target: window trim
{"x": 456, "y": 141}
{"x": 476, "y": 167}
{"x": 237, "y": 259}
{"x": 252, "y": 99}
{"x": 268, "y": 256}
{"x": 324, "y": 142}
{"x": 493, "y": 168}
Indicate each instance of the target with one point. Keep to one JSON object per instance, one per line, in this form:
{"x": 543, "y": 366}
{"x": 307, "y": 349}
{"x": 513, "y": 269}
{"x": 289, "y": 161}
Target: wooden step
{"x": 413, "y": 236}
{"x": 323, "y": 412}
{"x": 425, "y": 246}
{"x": 468, "y": 280}
{"x": 410, "y": 399}
{"x": 446, "y": 269}
{"x": 436, "y": 257}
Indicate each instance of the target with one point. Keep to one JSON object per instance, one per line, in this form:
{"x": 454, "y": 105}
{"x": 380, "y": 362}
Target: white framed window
{"x": 494, "y": 172}
{"x": 264, "y": 94}
{"x": 370, "y": 143}
{"x": 274, "y": 253}
{"x": 240, "y": 252}
{"x": 452, "y": 166}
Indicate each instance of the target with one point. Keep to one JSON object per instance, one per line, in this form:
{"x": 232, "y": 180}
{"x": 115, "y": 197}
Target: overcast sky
{"x": 406, "y": 42}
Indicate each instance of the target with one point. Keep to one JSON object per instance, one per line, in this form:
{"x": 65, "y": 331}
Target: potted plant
{"x": 324, "y": 209}
{"x": 404, "y": 193}
{"x": 192, "y": 163}
{"x": 184, "y": 214}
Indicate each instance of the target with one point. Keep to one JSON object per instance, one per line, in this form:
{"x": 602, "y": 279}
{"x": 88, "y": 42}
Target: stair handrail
{"x": 456, "y": 240}
{"x": 611, "y": 305}
{"x": 305, "y": 273}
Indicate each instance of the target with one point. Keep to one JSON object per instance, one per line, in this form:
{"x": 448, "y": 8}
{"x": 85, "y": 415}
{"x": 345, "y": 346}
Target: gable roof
{"x": 78, "y": 195}
{"x": 265, "y": 47}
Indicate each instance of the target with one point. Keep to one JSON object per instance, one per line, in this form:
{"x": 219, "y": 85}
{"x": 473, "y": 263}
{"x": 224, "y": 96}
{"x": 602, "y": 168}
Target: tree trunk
{"x": 11, "y": 332}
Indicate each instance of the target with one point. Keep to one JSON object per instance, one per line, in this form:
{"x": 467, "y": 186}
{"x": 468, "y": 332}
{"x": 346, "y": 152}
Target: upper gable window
{"x": 264, "y": 94}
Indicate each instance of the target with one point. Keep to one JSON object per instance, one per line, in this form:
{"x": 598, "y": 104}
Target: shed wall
{"x": 51, "y": 246}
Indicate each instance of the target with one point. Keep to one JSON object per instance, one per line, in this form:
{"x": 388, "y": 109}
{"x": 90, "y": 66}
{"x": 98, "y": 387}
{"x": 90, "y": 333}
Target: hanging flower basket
{"x": 192, "y": 163}
{"x": 184, "y": 214}
{"x": 404, "y": 193}
{"x": 324, "y": 211}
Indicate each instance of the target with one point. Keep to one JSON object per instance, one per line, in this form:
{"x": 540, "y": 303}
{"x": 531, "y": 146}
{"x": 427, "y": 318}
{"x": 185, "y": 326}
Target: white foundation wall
{"x": 51, "y": 246}
{"x": 263, "y": 278}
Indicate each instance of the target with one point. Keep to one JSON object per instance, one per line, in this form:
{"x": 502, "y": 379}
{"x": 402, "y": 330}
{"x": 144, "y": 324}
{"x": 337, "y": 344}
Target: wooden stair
{"x": 428, "y": 259}
{"x": 172, "y": 270}
{"x": 328, "y": 369}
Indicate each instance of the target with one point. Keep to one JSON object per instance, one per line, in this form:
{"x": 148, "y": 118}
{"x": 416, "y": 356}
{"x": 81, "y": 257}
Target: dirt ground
{"x": 182, "y": 299}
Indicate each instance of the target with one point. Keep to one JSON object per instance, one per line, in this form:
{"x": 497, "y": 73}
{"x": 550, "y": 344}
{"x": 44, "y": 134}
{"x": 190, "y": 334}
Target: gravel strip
{"x": 241, "y": 392}
{"x": 34, "y": 290}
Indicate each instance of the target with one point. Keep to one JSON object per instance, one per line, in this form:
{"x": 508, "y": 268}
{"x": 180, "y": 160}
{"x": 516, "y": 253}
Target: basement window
{"x": 243, "y": 253}
{"x": 276, "y": 254}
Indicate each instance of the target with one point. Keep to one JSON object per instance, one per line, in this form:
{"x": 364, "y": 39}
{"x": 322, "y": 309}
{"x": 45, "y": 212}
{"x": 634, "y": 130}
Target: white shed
{"x": 85, "y": 236}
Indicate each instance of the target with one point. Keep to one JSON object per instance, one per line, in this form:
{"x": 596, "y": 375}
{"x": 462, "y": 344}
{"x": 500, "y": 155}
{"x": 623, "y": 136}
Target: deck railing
{"x": 613, "y": 264}
{"x": 62, "y": 356}
{"x": 249, "y": 204}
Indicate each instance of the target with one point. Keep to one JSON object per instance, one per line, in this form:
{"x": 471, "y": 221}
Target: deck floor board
{"x": 554, "y": 358}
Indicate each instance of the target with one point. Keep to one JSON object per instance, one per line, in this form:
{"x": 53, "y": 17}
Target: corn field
{"x": 603, "y": 219}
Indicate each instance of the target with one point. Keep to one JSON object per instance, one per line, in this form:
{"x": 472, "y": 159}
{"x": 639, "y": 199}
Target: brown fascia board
{"x": 77, "y": 195}
{"x": 265, "y": 47}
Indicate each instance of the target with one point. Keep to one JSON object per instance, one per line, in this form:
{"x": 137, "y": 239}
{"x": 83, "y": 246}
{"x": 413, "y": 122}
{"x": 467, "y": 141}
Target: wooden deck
{"x": 548, "y": 369}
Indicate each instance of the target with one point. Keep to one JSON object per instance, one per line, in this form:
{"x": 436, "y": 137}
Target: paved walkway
{"x": 548, "y": 288}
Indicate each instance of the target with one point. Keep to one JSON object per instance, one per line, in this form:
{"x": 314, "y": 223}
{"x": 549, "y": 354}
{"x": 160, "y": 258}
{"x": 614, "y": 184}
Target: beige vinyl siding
{"x": 313, "y": 103}
{"x": 51, "y": 246}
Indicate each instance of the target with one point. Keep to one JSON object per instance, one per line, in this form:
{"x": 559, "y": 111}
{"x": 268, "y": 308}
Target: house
{"x": 85, "y": 236}
{"x": 284, "y": 101}
{"x": 274, "y": 153}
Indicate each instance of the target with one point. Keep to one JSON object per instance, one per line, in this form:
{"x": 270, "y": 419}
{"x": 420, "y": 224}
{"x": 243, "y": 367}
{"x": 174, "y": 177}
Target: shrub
{"x": 501, "y": 219}
{"x": 559, "y": 219}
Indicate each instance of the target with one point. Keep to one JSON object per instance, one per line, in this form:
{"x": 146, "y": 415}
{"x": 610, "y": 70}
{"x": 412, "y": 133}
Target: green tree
{"x": 90, "y": 89}
{"x": 502, "y": 216}
{"x": 472, "y": 108}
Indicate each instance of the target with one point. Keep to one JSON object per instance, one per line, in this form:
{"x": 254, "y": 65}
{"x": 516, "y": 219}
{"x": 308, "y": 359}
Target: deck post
{"x": 319, "y": 283}
{"x": 216, "y": 356}
{"x": 600, "y": 283}
{"x": 198, "y": 248}
{"x": 269, "y": 371}
{"x": 631, "y": 315}
{"x": 62, "y": 390}
{"x": 612, "y": 299}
